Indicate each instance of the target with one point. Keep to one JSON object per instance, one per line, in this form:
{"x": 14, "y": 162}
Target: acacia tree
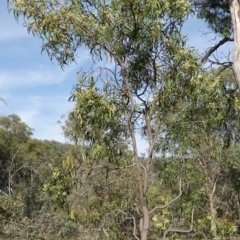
{"x": 211, "y": 142}
{"x": 152, "y": 72}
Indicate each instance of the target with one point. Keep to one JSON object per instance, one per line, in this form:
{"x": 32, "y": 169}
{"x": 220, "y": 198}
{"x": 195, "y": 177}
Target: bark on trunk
{"x": 235, "y": 15}
{"x": 213, "y": 216}
{"x": 145, "y": 223}
{"x": 142, "y": 185}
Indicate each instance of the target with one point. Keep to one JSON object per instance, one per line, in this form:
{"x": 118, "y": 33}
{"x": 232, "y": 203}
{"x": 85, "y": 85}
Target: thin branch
{"x": 104, "y": 230}
{"x": 1, "y": 191}
{"x": 18, "y": 170}
{"x": 173, "y": 200}
{"x": 134, "y": 222}
{"x": 214, "y": 186}
{"x": 213, "y": 49}
{"x": 180, "y": 230}
{"x": 223, "y": 69}
{"x": 37, "y": 173}
{"x": 10, "y": 176}
{"x": 127, "y": 217}
{"x": 225, "y": 64}
{"x": 142, "y": 93}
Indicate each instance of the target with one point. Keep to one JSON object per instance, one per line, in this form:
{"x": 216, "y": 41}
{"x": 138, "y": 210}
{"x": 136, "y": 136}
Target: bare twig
{"x": 18, "y": 170}
{"x": 1, "y": 191}
{"x": 180, "y": 230}
{"x": 213, "y": 49}
{"x": 134, "y": 222}
{"x": 10, "y": 175}
{"x": 173, "y": 200}
{"x": 105, "y": 232}
{"x": 43, "y": 180}
{"x": 127, "y": 217}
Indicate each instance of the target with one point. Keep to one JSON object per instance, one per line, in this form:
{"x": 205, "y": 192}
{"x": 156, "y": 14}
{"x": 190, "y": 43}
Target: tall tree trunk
{"x": 235, "y": 15}
{"x": 213, "y": 212}
{"x": 142, "y": 180}
{"x": 145, "y": 223}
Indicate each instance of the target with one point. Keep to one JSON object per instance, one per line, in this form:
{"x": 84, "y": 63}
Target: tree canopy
{"x": 148, "y": 84}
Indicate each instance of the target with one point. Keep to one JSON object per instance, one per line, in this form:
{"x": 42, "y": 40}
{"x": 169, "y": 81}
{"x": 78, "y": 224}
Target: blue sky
{"x": 36, "y": 89}
{"x": 33, "y": 87}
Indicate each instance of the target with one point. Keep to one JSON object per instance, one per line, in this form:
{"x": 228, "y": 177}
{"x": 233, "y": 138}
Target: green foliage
{"x": 60, "y": 184}
{"x": 216, "y": 13}
{"x": 98, "y": 122}
{"x": 25, "y": 167}
{"x": 204, "y": 156}
{"x": 119, "y": 27}
{"x": 155, "y": 88}
{"x": 14, "y": 126}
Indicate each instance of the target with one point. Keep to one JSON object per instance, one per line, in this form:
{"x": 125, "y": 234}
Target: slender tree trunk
{"x": 213, "y": 216}
{"x": 235, "y": 15}
{"x": 213, "y": 212}
{"x": 10, "y": 174}
{"x": 142, "y": 181}
{"x": 145, "y": 223}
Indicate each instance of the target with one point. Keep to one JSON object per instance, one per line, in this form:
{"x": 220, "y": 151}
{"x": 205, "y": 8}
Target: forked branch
{"x": 213, "y": 49}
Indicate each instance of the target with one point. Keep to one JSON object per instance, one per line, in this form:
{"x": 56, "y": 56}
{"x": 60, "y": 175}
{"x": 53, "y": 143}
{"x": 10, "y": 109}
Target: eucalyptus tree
{"x": 148, "y": 72}
{"x": 222, "y": 17}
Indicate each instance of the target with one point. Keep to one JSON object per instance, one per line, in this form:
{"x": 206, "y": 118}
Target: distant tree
{"x": 14, "y": 134}
{"x": 13, "y": 125}
{"x": 25, "y": 166}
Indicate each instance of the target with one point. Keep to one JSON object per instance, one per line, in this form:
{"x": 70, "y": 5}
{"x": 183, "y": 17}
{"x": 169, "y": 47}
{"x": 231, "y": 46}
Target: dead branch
{"x": 173, "y": 200}
{"x": 180, "y": 230}
{"x": 134, "y": 222}
{"x": 213, "y": 49}
{"x": 119, "y": 211}
{"x": 5, "y": 194}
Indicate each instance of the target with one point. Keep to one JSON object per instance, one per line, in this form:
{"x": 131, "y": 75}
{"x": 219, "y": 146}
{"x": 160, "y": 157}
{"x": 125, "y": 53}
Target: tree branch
{"x": 1, "y": 191}
{"x": 213, "y": 49}
{"x": 127, "y": 217}
{"x": 173, "y": 200}
{"x": 180, "y": 230}
{"x": 134, "y": 222}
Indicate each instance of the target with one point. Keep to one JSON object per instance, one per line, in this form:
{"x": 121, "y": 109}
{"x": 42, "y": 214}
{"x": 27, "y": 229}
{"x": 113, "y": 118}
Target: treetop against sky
{"x": 37, "y": 89}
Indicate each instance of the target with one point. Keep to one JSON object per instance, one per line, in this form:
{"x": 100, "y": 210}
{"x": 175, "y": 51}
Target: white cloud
{"x": 10, "y": 79}
{"x": 42, "y": 114}
{"x": 54, "y": 132}
{"x": 29, "y": 78}
{"x": 28, "y": 116}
